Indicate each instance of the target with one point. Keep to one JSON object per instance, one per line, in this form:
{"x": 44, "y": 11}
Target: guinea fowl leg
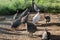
{"x": 31, "y": 34}
{"x": 46, "y": 24}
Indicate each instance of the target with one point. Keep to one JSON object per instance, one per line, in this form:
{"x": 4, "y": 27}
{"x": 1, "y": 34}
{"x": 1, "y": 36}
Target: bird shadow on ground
{"x": 7, "y": 39}
{"x": 10, "y": 32}
{"x": 35, "y": 36}
{"x": 49, "y": 24}
{"x": 5, "y": 23}
{"x": 4, "y": 39}
{"x": 5, "y": 29}
{"x": 38, "y": 35}
{"x": 55, "y": 37}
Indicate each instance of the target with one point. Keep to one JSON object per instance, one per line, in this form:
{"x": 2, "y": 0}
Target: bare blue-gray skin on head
{"x": 31, "y": 28}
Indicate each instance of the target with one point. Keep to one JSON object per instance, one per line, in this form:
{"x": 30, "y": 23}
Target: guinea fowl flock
{"x": 31, "y": 27}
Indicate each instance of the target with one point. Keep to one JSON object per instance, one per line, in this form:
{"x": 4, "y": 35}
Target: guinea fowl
{"x": 25, "y": 18}
{"x": 46, "y": 35}
{"x": 15, "y": 16}
{"x": 31, "y": 28}
{"x": 24, "y": 13}
{"x": 47, "y": 19}
{"x": 18, "y": 21}
{"x": 15, "y": 24}
{"x": 36, "y": 8}
{"x": 36, "y": 18}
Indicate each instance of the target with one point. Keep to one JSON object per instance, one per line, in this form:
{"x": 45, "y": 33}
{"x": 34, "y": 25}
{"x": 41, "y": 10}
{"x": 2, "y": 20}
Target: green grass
{"x": 9, "y": 6}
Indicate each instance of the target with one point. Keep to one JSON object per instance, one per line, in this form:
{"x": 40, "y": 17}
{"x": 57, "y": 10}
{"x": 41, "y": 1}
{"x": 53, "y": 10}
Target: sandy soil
{"x": 54, "y": 27}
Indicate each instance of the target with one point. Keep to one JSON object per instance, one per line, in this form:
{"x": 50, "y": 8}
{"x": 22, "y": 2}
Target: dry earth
{"x": 7, "y": 34}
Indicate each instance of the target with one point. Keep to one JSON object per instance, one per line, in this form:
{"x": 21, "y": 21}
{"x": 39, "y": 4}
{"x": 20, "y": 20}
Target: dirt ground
{"x": 53, "y": 27}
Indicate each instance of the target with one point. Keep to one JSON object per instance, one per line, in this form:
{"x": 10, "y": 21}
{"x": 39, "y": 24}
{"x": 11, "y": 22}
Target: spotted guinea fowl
{"x": 24, "y": 13}
{"x": 15, "y": 24}
{"x": 47, "y": 19}
{"x": 25, "y": 18}
{"x": 31, "y": 28}
{"x": 36, "y": 18}
{"x": 46, "y": 35}
{"x": 19, "y": 21}
{"x": 15, "y": 16}
{"x": 36, "y": 8}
